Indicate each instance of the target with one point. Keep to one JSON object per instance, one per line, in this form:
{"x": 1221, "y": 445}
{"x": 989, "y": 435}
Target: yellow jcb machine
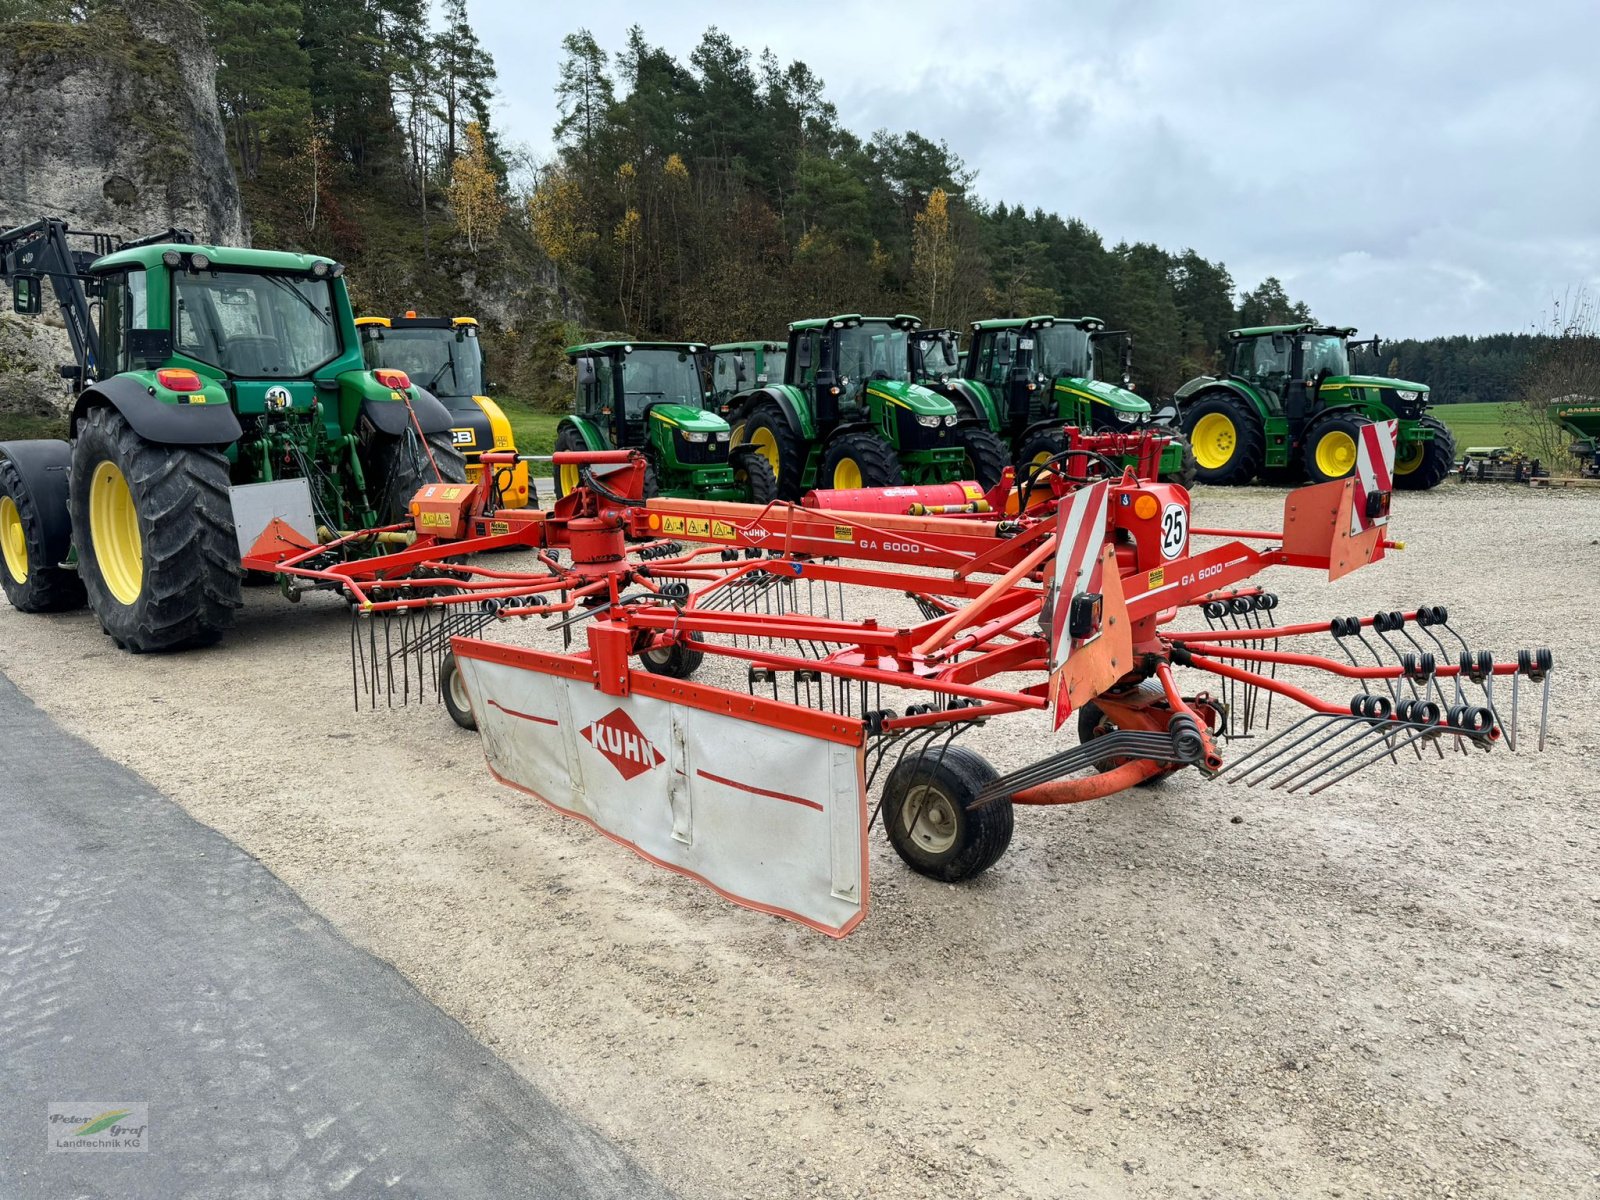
{"x": 444, "y": 357}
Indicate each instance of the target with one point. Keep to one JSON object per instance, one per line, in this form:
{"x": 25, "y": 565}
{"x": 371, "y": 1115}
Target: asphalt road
{"x": 146, "y": 959}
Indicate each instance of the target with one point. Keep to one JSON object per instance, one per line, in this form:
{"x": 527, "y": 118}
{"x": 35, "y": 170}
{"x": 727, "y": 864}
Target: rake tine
{"x": 1255, "y": 756}
{"x": 1544, "y": 711}
{"x": 1421, "y": 733}
{"x": 1351, "y": 748}
{"x": 1322, "y": 756}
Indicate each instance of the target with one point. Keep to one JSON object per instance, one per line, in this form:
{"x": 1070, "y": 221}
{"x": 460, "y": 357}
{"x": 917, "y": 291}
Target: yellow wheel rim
{"x": 1336, "y": 454}
{"x": 1043, "y": 456}
{"x": 1214, "y": 440}
{"x": 114, "y": 532}
{"x": 13, "y": 540}
{"x": 846, "y": 474}
{"x": 1409, "y": 458}
{"x": 568, "y": 480}
{"x": 766, "y": 444}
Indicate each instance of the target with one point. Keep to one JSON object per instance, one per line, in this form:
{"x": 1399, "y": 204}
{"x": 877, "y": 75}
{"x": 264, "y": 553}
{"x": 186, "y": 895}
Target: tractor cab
{"x": 739, "y": 366}
{"x": 858, "y": 369}
{"x": 1047, "y": 369}
{"x": 651, "y": 396}
{"x": 445, "y": 357}
{"x": 935, "y": 356}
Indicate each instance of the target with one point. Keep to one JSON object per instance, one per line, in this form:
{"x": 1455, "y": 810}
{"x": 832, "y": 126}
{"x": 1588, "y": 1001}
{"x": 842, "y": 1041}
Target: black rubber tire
{"x": 1045, "y": 442}
{"x": 1188, "y": 474}
{"x": 755, "y": 474}
{"x": 791, "y": 450}
{"x": 47, "y": 586}
{"x": 1250, "y": 440}
{"x": 874, "y": 459}
{"x": 192, "y": 581}
{"x": 1347, "y": 423}
{"x": 678, "y": 661}
{"x": 973, "y": 838}
{"x": 400, "y": 467}
{"x": 454, "y": 694}
{"x": 986, "y": 454}
{"x": 1438, "y": 459}
{"x": 652, "y": 478}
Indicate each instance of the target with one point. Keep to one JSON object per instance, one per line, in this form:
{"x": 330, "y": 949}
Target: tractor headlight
{"x": 928, "y": 422}
{"x": 1127, "y": 418}
{"x": 950, "y": 420}
{"x": 693, "y": 437}
{"x": 1408, "y": 396}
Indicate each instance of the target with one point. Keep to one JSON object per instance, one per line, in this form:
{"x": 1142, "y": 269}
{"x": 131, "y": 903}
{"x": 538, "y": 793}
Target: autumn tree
{"x": 475, "y": 191}
{"x": 1566, "y": 368}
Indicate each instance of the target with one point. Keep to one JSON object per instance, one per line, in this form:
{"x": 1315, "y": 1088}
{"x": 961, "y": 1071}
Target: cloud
{"x": 1414, "y": 169}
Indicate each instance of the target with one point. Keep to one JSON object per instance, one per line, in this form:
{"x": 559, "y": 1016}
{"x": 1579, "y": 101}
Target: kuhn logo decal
{"x": 617, "y": 738}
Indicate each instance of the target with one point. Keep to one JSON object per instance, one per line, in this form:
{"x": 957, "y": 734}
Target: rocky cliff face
{"x": 113, "y": 125}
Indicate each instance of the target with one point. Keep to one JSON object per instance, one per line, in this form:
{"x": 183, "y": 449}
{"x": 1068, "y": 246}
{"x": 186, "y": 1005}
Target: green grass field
{"x": 1478, "y": 424}
{"x": 535, "y": 431}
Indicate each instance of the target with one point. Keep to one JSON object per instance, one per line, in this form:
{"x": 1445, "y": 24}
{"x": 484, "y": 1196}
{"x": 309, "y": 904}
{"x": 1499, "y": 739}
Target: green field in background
{"x": 1478, "y": 424}
{"x": 535, "y": 431}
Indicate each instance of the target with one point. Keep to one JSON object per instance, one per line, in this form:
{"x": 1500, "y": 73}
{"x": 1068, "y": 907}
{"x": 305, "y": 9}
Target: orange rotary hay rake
{"x": 736, "y": 682}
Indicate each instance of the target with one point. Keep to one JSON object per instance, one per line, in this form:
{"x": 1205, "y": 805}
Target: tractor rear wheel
{"x": 153, "y": 528}
{"x": 1419, "y": 466}
{"x": 568, "y": 440}
{"x": 755, "y": 475}
{"x": 768, "y": 432}
{"x": 404, "y": 465}
{"x": 1332, "y": 445}
{"x": 1039, "y": 448}
{"x": 1187, "y": 473}
{"x": 860, "y": 460}
{"x": 934, "y": 823}
{"x": 456, "y": 701}
{"x": 31, "y": 581}
{"x": 1227, "y": 439}
{"x": 986, "y": 456}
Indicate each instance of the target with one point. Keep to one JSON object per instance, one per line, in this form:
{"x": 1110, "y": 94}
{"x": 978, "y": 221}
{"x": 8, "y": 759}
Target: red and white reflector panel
{"x": 1374, "y": 475}
{"x": 769, "y": 817}
{"x": 1080, "y": 532}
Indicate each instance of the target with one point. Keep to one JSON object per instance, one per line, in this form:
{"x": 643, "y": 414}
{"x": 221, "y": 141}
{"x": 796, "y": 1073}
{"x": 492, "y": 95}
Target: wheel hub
{"x": 929, "y": 818}
{"x": 13, "y": 540}
{"x": 114, "y": 533}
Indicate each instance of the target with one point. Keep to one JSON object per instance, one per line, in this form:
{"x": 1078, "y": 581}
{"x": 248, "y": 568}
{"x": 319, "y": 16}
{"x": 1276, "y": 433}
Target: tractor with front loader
{"x": 739, "y": 366}
{"x": 651, "y": 396}
{"x": 849, "y": 414}
{"x": 1030, "y": 377}
{"x": 220, "y": 398}
{"x": 1289, "y": 407}
{"x": 446, "y": 355}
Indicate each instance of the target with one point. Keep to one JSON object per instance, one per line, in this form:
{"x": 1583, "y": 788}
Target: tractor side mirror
{"x": 26, "y": 295}
{"x": 1002, "y": 351}
{"x": 1280, "y": 343}
{"x": 585, "y": 371}
{"x": 740, "y": 374}
{"x": 802, "y": 354}
{"x": 1377, "y": 344}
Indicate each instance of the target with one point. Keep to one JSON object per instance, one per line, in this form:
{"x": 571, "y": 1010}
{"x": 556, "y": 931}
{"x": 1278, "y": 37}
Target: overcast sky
{"x": 1410, "y": 168}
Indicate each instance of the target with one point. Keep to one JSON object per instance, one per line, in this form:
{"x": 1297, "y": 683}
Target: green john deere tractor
{"x": 739, "y": 366}
{"x": 216, "y": 389}
{"x": 1028, "y": 377}
{"x": 651, "y": 396}
{"x": 849, "y": 415}
{"x": 1289, "y": 407}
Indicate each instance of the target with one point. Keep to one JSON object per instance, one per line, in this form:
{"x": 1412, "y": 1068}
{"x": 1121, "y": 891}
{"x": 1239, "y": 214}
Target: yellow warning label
{"x": 496, "y": 528}
{"x": 452, "y": 493}
{"x": 699, "y": 527}
{"x": 722, "y": 530}
{"x": 843, "y": 533}
{"x": 1158, "y": 577}
{"x": 435, "y": 519}
{"x": 671, "y": 524}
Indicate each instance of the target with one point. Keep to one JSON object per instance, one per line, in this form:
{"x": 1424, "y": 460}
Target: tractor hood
{"x": 1581, "y": 415}
{"x": 1339, "y": 382}
{"x": 688, "y": 419}
{"x": 1119, "y": 400}
{"x": 925, "y": 402}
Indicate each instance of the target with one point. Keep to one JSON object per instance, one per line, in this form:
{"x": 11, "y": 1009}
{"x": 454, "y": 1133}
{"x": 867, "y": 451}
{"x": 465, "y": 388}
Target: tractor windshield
{"x": 1064, "y": 350}
{"x": 1325, "y": 351}
{"x": 655, "y": 376}
{"x": 772, "y": 364}
{"x": 939, "y": 358}
{"x": 872, "y": 351}
{"x": 446, "y": 362}
{"x": 255, "y": 325}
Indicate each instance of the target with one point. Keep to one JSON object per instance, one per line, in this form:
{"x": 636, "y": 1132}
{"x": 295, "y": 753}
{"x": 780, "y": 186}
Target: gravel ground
{"x": 1193, "y": 990}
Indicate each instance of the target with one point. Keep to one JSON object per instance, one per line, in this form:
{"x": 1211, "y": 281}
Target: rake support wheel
{"x": 932, "y": 818}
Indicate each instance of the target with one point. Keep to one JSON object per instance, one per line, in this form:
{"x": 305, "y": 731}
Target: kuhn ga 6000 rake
{"x": 853, "y": 641}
